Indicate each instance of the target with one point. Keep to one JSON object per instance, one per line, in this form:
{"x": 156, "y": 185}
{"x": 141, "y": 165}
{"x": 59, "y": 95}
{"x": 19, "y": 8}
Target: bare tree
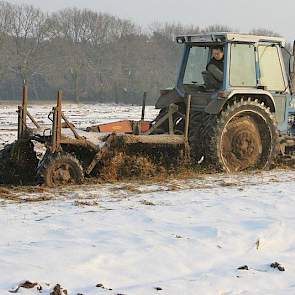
{"x": 5, "y": 18}
{"x": 217, "y": 28}
{"x": 172, "y": 30}
{"x": 27, "y": 33}
{"x": 264, "y": 32}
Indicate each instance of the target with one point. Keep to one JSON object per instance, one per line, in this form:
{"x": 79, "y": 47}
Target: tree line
{"x": 91, "y": 56}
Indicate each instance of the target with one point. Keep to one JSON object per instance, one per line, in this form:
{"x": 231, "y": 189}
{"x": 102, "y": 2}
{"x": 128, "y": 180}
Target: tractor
{"x": 249, "y": 119}
{"x": 245, "y": 121}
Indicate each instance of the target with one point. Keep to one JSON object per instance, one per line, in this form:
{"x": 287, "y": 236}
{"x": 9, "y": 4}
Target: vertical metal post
{"x": 22, "y": 112}
{"x": 53, "y": 132}
{"x": 186, "y": 129}
{"x": 56, "y": 125}
{"x": 59, "y": 114}
{"x": 19, "y": 122}
{"x": 138, "y": 129}
{"x": 143, "y": 106}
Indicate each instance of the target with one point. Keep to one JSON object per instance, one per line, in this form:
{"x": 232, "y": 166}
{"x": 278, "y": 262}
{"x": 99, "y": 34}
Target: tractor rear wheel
{"x": 60, "y": 169}
{"x": 242, "y": 136}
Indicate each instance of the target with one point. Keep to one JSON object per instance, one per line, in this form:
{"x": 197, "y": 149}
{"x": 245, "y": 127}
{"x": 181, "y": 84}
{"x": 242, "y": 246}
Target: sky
{"x": 241, "y": 15}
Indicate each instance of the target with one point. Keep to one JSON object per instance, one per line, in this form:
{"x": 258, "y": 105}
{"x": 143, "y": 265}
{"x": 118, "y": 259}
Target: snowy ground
{"x": 180, "y": 236}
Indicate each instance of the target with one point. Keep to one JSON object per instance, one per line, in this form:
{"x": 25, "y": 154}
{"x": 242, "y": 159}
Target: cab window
{"x": 271, "y": 74}
{"x": 242, "y": 66}
{"x": 196, "y": 64}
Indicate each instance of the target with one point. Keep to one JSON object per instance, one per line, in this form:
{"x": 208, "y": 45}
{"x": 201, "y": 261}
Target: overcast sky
{"x": 243, "y": 15}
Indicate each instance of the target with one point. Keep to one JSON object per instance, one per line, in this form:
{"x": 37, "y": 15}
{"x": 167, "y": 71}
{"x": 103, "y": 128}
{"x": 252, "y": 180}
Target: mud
{"x": 139, "y": 163}
{"x": 18, "y": 163}
{"x": 125, "y": 166}
{"x": 21, "y": 194}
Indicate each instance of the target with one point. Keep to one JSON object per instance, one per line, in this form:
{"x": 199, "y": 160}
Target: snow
{"x": 183, "y": 236}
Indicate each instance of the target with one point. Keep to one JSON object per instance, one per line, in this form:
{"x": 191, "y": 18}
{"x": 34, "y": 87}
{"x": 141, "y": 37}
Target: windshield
{"x": 196, "y": 64}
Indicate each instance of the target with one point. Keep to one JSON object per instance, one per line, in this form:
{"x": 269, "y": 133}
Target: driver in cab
{"x": 213, "y": 76}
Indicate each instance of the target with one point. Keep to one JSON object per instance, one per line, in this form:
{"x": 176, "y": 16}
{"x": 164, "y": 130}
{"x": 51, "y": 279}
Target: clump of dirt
{"x": 128, "y": 166}
{"x": 127, "y": 187}
{"x": 81, "y": 203}
{"x": 147, "y": 203}
{"x": 7, "y": 194}
{"x": 58, "y": 290}
{"x": 24, "y": 194}
{"x": 27, "y": 285}
{"x": 286, "y": 163}
{"x": 18, "y": 163}
{"x": 4, "y": 191}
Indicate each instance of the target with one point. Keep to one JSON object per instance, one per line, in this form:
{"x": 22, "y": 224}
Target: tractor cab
{"x": 253, "y": 66}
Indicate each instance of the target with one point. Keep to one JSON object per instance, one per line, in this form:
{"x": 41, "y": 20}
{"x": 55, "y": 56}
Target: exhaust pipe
{"x": 292, "y": 69}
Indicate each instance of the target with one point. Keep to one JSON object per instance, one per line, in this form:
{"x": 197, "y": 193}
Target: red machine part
{"x": 125, "y": 126}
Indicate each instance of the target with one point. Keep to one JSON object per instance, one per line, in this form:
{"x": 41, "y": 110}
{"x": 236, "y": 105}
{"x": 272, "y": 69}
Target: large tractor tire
{"x": 59, "y": 169}
{"x": 243, "y": 136}
{"x": 18, "y": 163}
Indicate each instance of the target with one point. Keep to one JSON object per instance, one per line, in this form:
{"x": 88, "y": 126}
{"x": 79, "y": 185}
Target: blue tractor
{"x": 241, "y": 115}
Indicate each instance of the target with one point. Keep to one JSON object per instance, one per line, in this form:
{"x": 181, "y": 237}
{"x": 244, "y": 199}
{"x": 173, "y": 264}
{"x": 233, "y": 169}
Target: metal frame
{"x": 58, "y": 116}
{"x": 56, "y": 139}
{"x": 23, "y": 113}
{"x": 173, "y": 108}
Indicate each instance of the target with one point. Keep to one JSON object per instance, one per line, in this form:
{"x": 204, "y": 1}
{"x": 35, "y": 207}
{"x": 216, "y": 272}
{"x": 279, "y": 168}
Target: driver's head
{"x": 217, "y": 53}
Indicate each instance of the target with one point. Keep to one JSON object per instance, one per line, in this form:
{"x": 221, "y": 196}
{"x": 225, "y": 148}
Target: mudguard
{"x": 216, "y": 104}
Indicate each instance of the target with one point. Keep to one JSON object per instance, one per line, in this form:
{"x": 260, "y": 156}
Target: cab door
{"x": 274, "y": 80}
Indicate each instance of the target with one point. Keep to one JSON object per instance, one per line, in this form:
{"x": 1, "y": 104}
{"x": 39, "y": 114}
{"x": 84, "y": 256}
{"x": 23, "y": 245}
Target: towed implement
{"x": 71, "y": 153}
{"x": 231, "y": 108}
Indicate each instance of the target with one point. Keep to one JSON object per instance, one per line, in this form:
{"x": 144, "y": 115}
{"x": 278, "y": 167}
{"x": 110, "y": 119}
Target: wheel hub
{"x": 62, "y": 175}
{"x": 244, "y": 145}
{"x": 241, "y": 144}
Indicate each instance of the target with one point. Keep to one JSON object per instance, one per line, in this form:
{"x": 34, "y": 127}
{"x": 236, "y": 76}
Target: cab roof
{"x": 223, "y": 37}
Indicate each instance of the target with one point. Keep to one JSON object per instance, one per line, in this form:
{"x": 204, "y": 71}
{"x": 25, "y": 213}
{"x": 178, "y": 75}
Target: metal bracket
{"x": 102, "y": 153}
{"x": 173, "y": 108}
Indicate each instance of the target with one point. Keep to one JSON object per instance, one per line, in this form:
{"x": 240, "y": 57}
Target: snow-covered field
{"x": 173, "y": 236}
